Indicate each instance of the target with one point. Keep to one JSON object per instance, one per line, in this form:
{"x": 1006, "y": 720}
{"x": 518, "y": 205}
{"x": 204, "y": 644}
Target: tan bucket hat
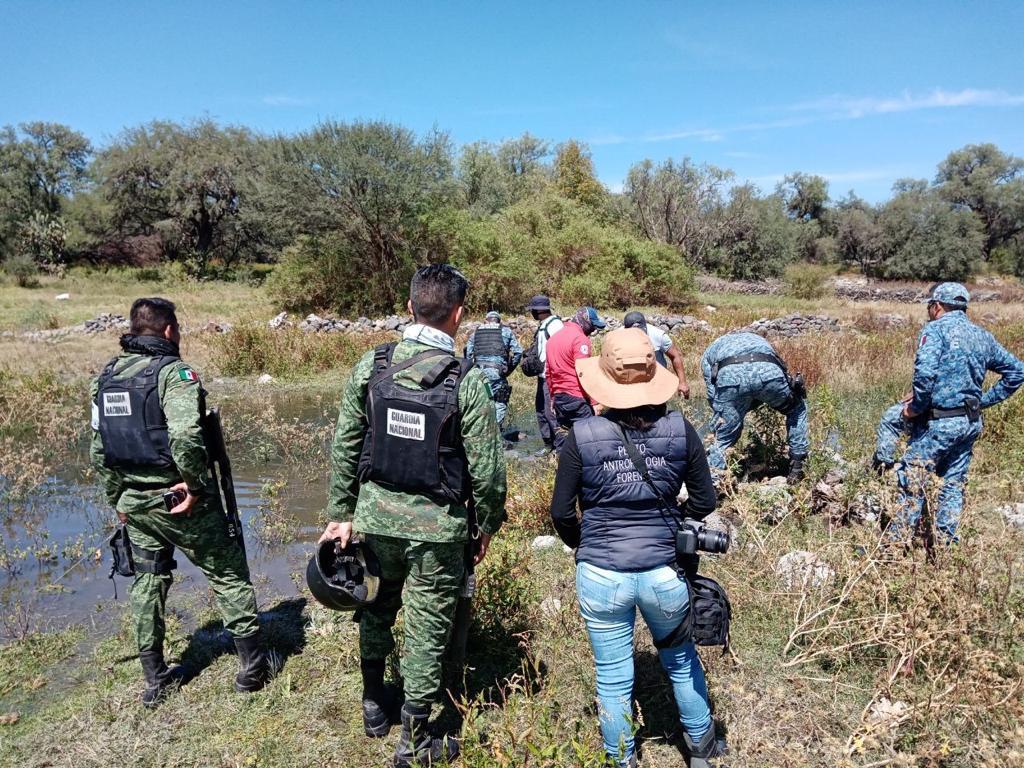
{"x": 626, "y": 375}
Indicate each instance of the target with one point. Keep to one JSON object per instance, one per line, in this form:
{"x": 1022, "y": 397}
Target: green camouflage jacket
{"x": 376, "y": 510}
{"x": 181, "y": 397}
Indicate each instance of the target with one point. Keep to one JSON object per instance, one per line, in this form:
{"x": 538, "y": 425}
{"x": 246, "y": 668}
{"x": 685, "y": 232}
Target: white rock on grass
{"x": 265, "y": 378}
{"x": 801, "y": 568}
{"x": 544, "y": 542}
{"x": 280, "y": 321}
{"x": 884, "y": 711}
{"x": 62, "y": 297}
{"x": 550, "y": 606}
{"x": 1013, "y": 514}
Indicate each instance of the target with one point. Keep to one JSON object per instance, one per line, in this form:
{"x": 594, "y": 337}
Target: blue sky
{"x": 863, "y": 93}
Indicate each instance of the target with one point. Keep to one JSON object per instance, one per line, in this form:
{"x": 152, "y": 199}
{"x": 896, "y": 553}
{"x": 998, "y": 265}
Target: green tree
{"x": 195, "y": 186}
{"x": 42, "y": 166}
{"x": 991, "y": 184}
{"x": 760, "y": 240}
{"x": 859, "y": 236}
{"x": 681, "y": 204}
{"x": 924, "y": 237}
{"x": 492, "y": 177}
{"x": 367, "y": 186}
{"x": 804, "y": 195}
{"x": 575, "y": 177}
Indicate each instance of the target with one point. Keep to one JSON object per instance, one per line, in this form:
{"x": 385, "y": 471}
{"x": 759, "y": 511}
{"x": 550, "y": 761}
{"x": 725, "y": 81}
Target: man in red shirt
{"x": 568, "y": 345}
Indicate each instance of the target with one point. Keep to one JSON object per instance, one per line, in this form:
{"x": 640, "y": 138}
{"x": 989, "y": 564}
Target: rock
{"x": 280, "y": 321}
{"x": 62, "y": 297}
{"x": 803, "y": 568}
{"x": 716, "y": 522}
{"x": 887, "y": 712}
{"x": 710, "y": 308}
{"x": 777, "y": 481}
{"x": 770, "y": 500}
{"x": 312, "y": 324}
{"x": 550, "y": 606}
{"x": 215, "y": 327}
{"x": 392, "y": 323}
{"x": 264, "y": 378}
{"x": 544, "y": 542}
{"x": 567, "y": 549}
{"x": 1013, "y": 514}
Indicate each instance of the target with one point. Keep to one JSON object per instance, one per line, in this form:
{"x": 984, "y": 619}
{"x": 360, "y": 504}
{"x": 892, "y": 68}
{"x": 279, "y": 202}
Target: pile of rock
{"x": 828, "y": 498}
{"x": 709, "y": 284}
{"x": 103, "y": 322}
{"x": 860, "y": 290}
{"x": 1013, "y": 514}
{"x": 667, "y": 323}
{"x": 794, "y": 325}
{"x": 316, "y": 324}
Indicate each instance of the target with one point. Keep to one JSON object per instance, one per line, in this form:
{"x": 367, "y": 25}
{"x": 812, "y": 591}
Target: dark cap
{"x": 539, "y": 303}
{"x": 635, "y": 320}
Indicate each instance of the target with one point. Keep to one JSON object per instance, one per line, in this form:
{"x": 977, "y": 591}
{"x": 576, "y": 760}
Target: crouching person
{"x": 416, "y": 445}
{"x": 625, "y": 536}
{"x": 147, "y": 442}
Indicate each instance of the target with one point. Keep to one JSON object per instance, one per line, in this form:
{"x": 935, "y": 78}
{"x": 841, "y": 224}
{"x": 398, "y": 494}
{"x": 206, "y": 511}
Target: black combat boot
{"x": 160, "y": 679}
{"x": 254, "y": 665}
{"x": 381, "y": 703}
{"x": 708, "y": 747}
{"x": 881, "y": 466}
{"x": 416, "y": 746}
{"x": 796, "y": 469}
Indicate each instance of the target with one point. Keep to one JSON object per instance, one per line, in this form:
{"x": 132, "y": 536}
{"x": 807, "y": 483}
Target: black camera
{"x": 693, "y": 537}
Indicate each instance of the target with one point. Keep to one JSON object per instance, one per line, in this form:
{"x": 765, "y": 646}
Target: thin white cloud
{"x": 839, "y": 106}
{"x": 831, "y": 108}
{"x": 283, "y": 100}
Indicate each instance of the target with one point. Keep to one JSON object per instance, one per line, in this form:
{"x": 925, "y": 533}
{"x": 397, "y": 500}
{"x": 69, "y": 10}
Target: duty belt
{"x": 946, "y": 413}
{"x": 749, "y": 357}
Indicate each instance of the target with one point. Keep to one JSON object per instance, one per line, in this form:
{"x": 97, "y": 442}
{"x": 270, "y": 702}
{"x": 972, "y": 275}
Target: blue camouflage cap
{"x": 493, "y": 316}
{"x": 954, "y": 294}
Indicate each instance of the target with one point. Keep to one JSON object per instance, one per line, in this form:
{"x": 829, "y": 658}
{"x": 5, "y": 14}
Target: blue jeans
{"x": 608, "y": 602}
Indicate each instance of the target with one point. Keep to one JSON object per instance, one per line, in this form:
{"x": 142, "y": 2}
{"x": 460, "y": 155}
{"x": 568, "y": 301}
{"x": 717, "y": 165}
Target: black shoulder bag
{"x": 707, "y": 621}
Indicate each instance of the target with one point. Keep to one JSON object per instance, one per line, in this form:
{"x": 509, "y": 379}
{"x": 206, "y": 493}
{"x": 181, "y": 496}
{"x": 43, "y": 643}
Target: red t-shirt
{"x": 561, "y": 353}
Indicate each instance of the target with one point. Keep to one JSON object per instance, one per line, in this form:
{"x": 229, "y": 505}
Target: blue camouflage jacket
{"x": 730, "y": 345}
{"x": 513, "y": 348}
{"x": 953, "y": 356}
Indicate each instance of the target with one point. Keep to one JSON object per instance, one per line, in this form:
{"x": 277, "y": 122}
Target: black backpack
{"x": 531, "y": 364}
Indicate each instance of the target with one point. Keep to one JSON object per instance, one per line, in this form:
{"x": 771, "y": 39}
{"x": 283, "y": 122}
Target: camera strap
{"x": 641, "y": 466}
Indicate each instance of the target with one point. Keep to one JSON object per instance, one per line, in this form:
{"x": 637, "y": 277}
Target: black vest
{"x": 132, "y": 424}
{"x": 624, "y": 526}
{"x": 413, "y": 443}
{"x": 490, "y": 342}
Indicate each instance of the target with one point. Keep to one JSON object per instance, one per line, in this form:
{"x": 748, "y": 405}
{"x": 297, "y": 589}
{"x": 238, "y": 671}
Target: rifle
{"x": 455, "y": 655}
{"x": 220, "y": 468}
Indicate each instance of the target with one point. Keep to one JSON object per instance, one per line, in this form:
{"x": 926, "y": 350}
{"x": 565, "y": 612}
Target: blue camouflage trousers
{"x": 501, "y": 392}
{"x": 942, "y": 447}
{"x": 890, "y": 429}
{"x": 731, "y": 404}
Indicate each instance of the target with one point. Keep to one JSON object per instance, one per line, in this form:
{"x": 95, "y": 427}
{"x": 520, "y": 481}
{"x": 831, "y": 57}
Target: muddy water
{"x": 66, "y": 524}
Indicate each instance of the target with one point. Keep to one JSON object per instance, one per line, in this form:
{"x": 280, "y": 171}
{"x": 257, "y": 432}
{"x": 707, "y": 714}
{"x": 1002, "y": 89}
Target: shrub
{"x": 807, "y": 281}
{"x": 247, "y": 350}
{"x": 324, "y": 273}
{"x": 23, "y": 270}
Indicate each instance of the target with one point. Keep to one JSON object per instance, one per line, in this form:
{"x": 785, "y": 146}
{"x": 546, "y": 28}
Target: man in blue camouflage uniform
{"x": 891, "y": 428}
{"x": 953, "y": 357}
{"x": 496, "y": 351}
{"x": 741, "y": 371}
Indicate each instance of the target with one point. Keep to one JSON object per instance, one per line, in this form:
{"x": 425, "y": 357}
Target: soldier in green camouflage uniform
{"x": 196, "y": 526}
{"x": 420, "y": 543}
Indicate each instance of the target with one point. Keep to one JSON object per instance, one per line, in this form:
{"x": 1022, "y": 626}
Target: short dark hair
{"x": 149, "y": 317}
{"x": 640, "y": 417}
{"x": 435, "y": 291}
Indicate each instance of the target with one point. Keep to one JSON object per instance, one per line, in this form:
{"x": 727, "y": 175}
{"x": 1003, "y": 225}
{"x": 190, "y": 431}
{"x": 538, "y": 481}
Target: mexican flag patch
{"x": 187, "y": 374}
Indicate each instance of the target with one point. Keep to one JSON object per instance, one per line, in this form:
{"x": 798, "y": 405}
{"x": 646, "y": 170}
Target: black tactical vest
{"x": 489, "y": 342}
{"x": 414, "y": 440}
{"x": 132, "y": 424}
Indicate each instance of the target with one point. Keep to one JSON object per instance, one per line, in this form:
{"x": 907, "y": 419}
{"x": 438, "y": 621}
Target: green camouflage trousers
{"x": 203, "y": 539}
{"x": 426, "y": 578}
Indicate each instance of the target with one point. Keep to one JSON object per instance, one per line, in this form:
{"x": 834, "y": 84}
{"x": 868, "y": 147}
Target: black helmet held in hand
{"x": 343, "y": 579}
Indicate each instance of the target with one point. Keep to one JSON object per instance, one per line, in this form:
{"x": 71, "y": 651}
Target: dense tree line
{"x": 348, "y": 210}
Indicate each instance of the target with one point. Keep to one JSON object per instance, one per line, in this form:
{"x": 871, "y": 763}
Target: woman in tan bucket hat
{"x": 625, "y": 533}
